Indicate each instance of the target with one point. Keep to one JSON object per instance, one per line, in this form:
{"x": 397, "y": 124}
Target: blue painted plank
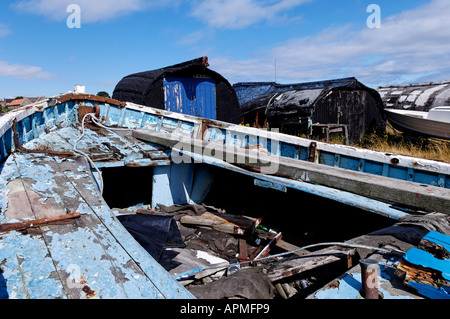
{"x": 161, "y": 193}
{"x": 372, "y": 167}
{"x": 439, "y": 239}
{"x": 28, "y": 270}
{"x": 97, "y": 253}
{"x": 431, "y": 291}
{"x": 150, "y": 121}
{"x": 202, "y": 183}
{"x": 133, "y": 118}
{"x": 265, "y": 184}
{"x": 427, "y": 260}
{"x": 183, "y": 183}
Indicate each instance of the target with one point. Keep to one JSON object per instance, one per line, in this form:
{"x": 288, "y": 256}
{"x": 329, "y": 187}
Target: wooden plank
{"x": 78, "y": 173}
{"x": 90, "y": 143}
{"x": 28, "y": 268}
{"x": 243, "y": 252}
{"x": 289, "y": 247}
{"x": 426, "y": 198}
{"x": 213, "y": 221}
{"x": 51, "y": 141}
{"x": 315, "y": 260}
{"x": 18, "y": 203}
{"x": 93, "y": 258}
{"x": 139, "y": 274}
{"x": 39, "y": 182}
{"x": 437, "y": 244}
{"x": 106, "y": 146}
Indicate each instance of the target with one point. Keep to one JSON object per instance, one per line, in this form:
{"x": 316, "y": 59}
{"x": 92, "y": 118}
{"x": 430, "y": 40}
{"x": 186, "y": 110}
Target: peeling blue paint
{"x": 349, "y": 285}
{"x": 28, "y": 269}
{"x": 426, "y": 260}
{"x": 97, "y": 251}
{"x": 101, "y": 256}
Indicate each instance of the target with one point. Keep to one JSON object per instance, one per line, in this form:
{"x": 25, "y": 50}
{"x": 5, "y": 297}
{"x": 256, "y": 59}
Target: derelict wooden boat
{"x": 52, "y": 159}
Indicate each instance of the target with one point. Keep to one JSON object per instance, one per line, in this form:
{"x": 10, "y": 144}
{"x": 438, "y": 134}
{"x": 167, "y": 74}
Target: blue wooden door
{"x": 191, "y": 96}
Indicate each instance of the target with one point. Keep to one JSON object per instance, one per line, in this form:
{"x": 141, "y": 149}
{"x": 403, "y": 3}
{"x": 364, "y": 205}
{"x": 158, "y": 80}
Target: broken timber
{"x": 226, "y": 223}
{"x": 427, "y": 267}
{"x": 422, "y": 197}
{"x": 22, "y": 225}
{"x": 311, "y": 261}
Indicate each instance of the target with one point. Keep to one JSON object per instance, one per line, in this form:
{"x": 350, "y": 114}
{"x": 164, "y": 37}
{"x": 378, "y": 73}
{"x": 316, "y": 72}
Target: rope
{"x": 95, "y": 120}
{"x": 86, "y": 155}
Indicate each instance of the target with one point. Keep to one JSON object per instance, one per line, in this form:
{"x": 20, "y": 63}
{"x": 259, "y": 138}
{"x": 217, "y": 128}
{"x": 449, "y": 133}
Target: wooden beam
{"x": 226, "y": 223}
{"x": 289, "y": 247}
{"x": 423, "y": 197}
{"x": 312, "y": 261}
{"x": 36, "y": 222}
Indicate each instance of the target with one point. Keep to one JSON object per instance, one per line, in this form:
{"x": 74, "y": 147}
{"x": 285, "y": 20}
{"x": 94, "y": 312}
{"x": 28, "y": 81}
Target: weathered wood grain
{"x": 95, "y": 257}
{"x": 311, "y": 261}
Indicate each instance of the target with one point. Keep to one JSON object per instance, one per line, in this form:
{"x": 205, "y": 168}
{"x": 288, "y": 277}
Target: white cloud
{"x": 91, "y": 11}
{"x": 413, "y": 44}
{"x": 24, "y": 72}
{"x": 237, "y": 14}
{"x": 4, "y": 30}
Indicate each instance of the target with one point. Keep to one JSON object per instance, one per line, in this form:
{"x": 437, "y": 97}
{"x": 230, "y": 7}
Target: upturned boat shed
{"x": 296, "y": 108}
{"x": 416, "y": 97}
{"x": 189, "y": 88}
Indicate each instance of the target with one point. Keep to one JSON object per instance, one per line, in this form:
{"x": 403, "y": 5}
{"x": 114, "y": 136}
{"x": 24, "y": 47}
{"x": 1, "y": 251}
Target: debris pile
{"x": 209, "y": 249}
{"x": 216, "y": 255}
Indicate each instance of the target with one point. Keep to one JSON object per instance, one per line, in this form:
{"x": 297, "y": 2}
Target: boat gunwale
{"x": 366, "y": 154}
{"x": 200, "y": 125}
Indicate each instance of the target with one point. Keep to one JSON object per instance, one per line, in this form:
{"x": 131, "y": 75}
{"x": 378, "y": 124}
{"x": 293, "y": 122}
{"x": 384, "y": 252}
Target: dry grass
{"x": 433, "y": 149}
{"x": 395, "y": 142}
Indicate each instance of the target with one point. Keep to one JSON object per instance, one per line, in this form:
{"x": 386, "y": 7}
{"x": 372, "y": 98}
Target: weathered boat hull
{"x": 371, "y": 162}
{"x": 73, "y": 257}
{"x": 92, "y": 256}
{"x": 418, "y": 125}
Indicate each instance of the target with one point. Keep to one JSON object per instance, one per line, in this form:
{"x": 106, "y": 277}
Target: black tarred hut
{"x": 190, "y": 88}
{"x": 295, "y": 108}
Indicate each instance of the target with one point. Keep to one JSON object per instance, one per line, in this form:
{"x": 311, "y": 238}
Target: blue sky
{"x": 307, "y": 40}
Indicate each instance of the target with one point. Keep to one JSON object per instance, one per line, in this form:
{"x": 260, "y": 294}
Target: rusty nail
{"x": 369, "y": 278}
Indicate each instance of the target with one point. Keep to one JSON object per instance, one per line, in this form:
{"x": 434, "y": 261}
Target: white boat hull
{"x": 418, "y": 123}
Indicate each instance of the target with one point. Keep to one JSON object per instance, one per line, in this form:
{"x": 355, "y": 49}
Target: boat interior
{"x": 58, "y": 161}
